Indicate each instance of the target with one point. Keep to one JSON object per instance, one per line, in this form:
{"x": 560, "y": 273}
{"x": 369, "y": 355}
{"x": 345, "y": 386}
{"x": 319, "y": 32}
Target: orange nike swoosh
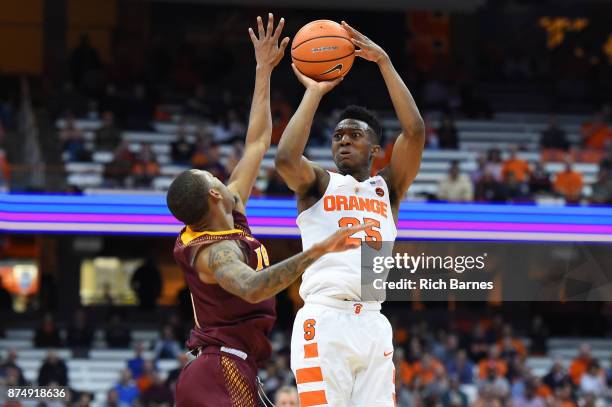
{"x": 388, "y": 353}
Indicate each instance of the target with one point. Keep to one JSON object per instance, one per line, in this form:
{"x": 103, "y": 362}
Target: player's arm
{"x": 298, "y": 172}
{"x": 408, "y": 148}
{"x": 225, "y": 262}
{"x": 268, "y": 54}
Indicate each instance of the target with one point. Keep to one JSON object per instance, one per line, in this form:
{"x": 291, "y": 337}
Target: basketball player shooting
{"x": 341, "y": 347}
{"x": 225, "y": 266}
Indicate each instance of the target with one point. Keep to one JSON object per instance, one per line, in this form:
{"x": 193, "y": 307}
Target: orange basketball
{"x": 323, "y": 50}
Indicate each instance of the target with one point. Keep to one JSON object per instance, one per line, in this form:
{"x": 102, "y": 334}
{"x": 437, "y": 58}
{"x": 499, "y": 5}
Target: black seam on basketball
{"x": 323, "y": 36}
{"x": 347, "y": 69}
{"x": 325, "y": 60}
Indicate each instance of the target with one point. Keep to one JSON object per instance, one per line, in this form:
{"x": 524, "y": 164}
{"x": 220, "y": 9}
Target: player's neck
{"x": 359, "y": 175}
{"x": 215, "y": 223}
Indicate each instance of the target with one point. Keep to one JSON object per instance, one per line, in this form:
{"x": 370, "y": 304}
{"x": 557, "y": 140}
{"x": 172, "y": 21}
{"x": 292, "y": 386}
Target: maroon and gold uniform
{"x": 230, "y": 335}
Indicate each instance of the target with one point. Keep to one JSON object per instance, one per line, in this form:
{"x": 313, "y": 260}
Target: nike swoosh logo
{"x": 388, "y": 353}
{"x": 335, "y": 68}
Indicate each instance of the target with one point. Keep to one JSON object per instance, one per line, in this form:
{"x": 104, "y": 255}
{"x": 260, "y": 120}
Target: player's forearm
{"x": 274, "y": 279}
{"x": 260, "y": 117}
{"x": 295, "y": 137}
{"x": 405, "y": 107}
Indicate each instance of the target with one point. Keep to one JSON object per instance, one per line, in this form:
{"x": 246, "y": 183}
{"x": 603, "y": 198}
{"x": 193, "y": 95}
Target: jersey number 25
{"x": 372, "y": 238}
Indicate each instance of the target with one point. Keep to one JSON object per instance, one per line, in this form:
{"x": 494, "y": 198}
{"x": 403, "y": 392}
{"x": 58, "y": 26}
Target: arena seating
{"x": 476, "y": 137}
{"x": 100, "y": 371}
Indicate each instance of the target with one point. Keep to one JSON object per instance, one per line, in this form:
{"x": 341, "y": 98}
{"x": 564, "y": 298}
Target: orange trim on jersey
{"x": 308, "y": 375}
{"x": 311, "y": 350}
{"x": 188, "y": 235}
{"x": 312, "y": 398}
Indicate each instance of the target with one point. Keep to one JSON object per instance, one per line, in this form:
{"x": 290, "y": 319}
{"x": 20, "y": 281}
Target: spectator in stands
{"x": 456, "y": 187}
{"x": 146, "y": 379}
{"x": 447, "y": 132}
{"x": 112, "y": 399}
{"x": 80, "y": 334}
{"x": 554, "y": 137}
{"x": 428, "y": 371}
{"x": 53, "y": 371}
{"x": 569, "y": 184}
{"x": 157, "y": 394}
{"x": 199, "y": 159}
{"x": 488, "y": 189}
{"x": 10, "y": 364}
{"x": 127, "y": 391}
{"x": 47, "y": 334}
{"x": 596, "y": 134}
{"x": 530, "y": 399}
{"x": 515, "y": 190}
{"x": 509, "y": 346}
{"x": 199, "y": 103}
{"x": 182, "y": 150}
{"x": 563, "y": 397}
{"x": 136, "y": 363}
{"x": 116, "y": 334}
{"x": 116, "y": 172}
{"x": 108, "y": 136}
{"x": 581, "y": 363}
{"x": 286, "y": 397}
{"x": 145, "y": 168}
{"x": 557, "y": 376}
{"x": 479, "y": 343}
{"x": 487, "y": 397}
{"x": 454, "y": 397}
{"x": 494, "y": 164}
{"x": 461, "y": 367}
{"x": 213, "y": 162}
{"x": 539, "y": 336}
{"x": 593, "y": 381}
{"x": 73, "y": 141}
{"x": 539, "y": 182}
{"x": 493, "y": 364}
{"x": 167, "y": 347}
{"x": 602, "y": 188}
{"x": 517, "y": 166}
{"x": 147, "y": 283}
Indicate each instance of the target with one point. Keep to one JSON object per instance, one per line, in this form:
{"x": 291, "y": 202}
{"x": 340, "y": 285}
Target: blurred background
{"x": 102, "y": 103}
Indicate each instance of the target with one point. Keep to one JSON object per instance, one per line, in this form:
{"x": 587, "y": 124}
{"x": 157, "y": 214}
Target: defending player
{"x": 224, "y": 265}
{"x": 341, "y": 347}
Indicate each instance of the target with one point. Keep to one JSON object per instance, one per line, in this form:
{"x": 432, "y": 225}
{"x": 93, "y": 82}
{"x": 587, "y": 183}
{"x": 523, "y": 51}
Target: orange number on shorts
{"x": 262, "y": 258}
{"x": 372, "y": 235}
{"x": 309, "y": 329}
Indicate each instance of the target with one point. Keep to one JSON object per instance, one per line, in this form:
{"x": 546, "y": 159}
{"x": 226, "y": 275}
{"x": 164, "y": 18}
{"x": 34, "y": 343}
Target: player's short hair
{"x": 187, "y": 197}
{"x": 365, "y": 115}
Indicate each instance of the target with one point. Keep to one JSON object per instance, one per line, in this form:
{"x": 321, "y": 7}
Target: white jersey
{"x": 346, "y": 202}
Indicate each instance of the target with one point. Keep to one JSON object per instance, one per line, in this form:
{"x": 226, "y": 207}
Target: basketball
{"x": 323, "y": 50}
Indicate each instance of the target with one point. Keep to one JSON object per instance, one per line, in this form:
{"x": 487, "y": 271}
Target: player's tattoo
{"x": 227, "y": 263}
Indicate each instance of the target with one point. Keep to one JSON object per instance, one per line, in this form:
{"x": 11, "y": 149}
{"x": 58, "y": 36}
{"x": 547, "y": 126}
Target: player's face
{"x": 352, "y": 146}
{"x": 216, "y": 184}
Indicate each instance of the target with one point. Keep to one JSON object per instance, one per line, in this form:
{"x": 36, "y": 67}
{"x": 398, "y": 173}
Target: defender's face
{"x": 216, "y": 184}
{"x": 351, "y": 145}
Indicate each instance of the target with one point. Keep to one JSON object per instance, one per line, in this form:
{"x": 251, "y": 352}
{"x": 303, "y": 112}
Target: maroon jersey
{"x": 222, "y": 318}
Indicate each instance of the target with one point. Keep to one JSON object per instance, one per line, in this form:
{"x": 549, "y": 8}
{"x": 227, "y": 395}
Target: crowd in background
{"x": 433, "y": 365}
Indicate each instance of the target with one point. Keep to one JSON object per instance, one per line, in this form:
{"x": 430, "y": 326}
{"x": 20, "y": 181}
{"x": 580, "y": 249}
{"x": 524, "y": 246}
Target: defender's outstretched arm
{"x": 268, "y": 54}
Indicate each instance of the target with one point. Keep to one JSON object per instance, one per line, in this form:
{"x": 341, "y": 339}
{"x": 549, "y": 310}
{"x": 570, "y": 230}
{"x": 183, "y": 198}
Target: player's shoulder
{"x": 218, "y": 254}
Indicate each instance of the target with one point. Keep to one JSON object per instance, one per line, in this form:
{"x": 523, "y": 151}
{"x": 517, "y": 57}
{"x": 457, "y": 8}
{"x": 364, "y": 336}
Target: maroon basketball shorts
{"x": 217, "y": 378}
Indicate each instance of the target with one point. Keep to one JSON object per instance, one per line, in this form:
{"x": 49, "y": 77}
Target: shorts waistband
{"x": 344, "y": 305}
{"x": 225, "y": 349}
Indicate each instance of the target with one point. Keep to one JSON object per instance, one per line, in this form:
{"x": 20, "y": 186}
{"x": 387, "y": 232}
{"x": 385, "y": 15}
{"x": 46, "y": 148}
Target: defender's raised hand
{"x": 268, "y": 52}
{"x": 368, "y": 49}
{"x": 341, "y": 240}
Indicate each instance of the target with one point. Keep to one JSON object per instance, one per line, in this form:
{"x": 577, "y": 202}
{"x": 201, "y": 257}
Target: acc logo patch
{"x": 380, "y": 191}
